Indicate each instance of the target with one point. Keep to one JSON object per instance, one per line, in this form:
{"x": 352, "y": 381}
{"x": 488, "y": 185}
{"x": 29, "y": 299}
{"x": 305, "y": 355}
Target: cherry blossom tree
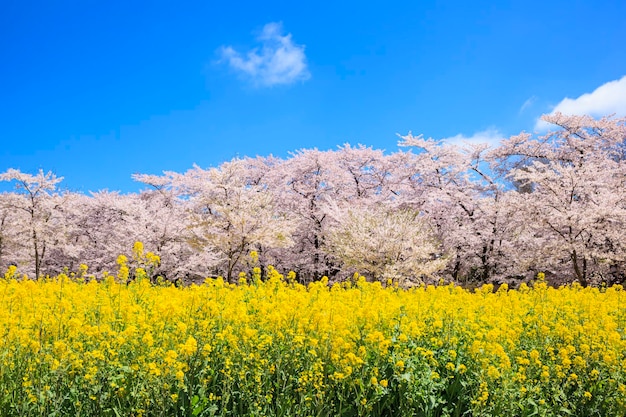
{"x": 163, "y": 224}
{"x": 384, "y": 243}
{"x": 362, "y": 173}
{"x": 229, "y": 215}
{"x": 37, "y": 205}
{"x": 11, "y": 242}
{"x": 458, "y": 190}
{"x": 302, "y": 184}
{"x": 575, "y": 175}
{"x": 104, "y": 229}
{"x": 311, "y": 179}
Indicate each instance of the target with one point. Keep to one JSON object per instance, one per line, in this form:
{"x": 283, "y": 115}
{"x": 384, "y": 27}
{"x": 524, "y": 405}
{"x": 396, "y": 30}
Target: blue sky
{"x": 96, "y": 91}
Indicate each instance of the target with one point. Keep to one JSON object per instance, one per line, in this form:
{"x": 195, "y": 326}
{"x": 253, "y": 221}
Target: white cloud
{"x": 490, "y": 136}
{"x": 607, "y": 99}
{"x": 528, "y": 103}
{"x": 278, "y": 60}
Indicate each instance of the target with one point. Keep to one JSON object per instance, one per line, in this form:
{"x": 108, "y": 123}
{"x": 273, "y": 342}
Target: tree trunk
{"x": 581, "y": 275}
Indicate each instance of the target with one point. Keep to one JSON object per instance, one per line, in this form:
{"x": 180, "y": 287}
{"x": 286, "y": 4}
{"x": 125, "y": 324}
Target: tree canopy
{"x": 552, "y": 203}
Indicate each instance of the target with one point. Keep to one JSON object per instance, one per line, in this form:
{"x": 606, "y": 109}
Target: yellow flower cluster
{"x": 273, "y": 347}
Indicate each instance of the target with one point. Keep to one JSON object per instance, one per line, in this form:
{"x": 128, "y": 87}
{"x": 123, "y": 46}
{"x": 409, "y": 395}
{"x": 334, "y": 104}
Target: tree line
{"x": 431, "y": 211}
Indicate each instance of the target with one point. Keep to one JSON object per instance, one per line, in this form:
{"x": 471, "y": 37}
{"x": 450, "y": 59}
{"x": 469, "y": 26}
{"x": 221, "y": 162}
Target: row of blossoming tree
{"x": 465, "y": 213}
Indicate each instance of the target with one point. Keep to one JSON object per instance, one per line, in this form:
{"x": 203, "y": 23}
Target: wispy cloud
{"x": 490, "y": 136}
{"x": 527, "y": 104}
{"x": 278, "y": 60}
{"x": 607, "y": 99}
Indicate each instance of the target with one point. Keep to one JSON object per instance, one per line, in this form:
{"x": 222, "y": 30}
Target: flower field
{"x": 272, "y": 347}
